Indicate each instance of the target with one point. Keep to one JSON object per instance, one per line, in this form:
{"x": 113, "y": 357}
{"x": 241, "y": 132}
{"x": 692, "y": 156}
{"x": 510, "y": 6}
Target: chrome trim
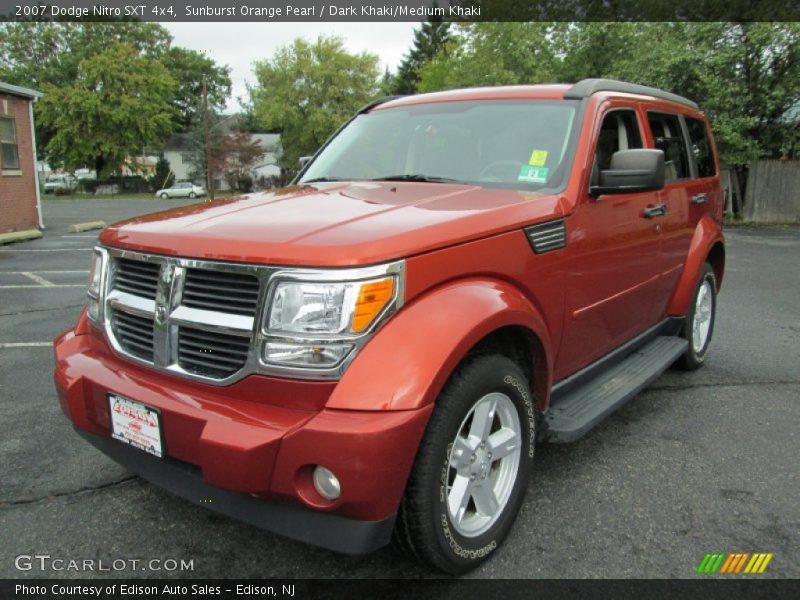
{"x": 169, "y": 314}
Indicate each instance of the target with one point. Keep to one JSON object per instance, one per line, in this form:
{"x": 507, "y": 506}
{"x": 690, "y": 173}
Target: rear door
{"x": 668, "y": 133}
{"x": 613, "y": 271}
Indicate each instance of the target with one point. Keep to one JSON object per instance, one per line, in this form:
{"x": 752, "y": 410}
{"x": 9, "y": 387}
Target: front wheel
{"x": 164, "y": 195}
{"x": 192, "y": 195}
{"x": 699, "y": 326}
{"x": 473, "y": 466}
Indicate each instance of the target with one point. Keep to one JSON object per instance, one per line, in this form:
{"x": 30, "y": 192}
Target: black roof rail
{"x": 370, "y": 105}
{"x": 587, "y": 87}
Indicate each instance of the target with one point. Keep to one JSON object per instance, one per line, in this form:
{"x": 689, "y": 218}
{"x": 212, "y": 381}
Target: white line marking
{"x": 45, "y": 272}
{"x": 40, "y": 280}
{"x": 48, "y": 250}
{"x": 41, "y": 287}
{"x": 25, "y": 344}
{"x": 78, "y": 236}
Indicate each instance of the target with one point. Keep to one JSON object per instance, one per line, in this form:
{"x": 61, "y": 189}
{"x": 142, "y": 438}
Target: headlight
{"x": 95, "y": 283}
{"x": 328, "y": 308}
{"x": 317, "y": 324}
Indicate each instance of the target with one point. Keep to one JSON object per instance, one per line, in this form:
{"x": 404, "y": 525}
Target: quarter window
{"x": 9, "y": 152}
{"x": 701, "y": 148}
{"x": 668, "y": 138}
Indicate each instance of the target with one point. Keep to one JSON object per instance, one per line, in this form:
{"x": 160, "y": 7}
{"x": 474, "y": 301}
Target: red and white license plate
{"x": 136, "y": 424}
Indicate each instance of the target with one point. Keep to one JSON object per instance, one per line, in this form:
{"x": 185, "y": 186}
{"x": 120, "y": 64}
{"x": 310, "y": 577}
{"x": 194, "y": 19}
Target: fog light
{"x": 326, "y": 483}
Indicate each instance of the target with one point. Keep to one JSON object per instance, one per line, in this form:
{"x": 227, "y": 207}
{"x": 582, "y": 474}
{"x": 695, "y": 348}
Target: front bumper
{"x": 246, "y": 450}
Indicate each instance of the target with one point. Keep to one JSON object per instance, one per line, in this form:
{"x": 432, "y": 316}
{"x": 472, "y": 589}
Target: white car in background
{"x": 181, "y": 189}
{"x": 59, "y": 183}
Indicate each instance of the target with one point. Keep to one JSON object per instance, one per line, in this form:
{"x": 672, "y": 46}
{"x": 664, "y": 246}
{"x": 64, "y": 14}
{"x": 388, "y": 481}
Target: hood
{"x": 333, "y": 224}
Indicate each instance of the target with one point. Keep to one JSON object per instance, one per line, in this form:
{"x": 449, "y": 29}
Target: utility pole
{"x": 207, "y": 136}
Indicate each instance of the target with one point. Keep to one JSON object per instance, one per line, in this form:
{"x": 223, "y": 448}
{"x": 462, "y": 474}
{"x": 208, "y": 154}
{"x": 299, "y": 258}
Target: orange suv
{"x": 372, "y": 352}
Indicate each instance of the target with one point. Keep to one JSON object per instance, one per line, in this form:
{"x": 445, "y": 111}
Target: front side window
{"x": 500, "y": 143}
{"x": 701, "y": 148}
{"x": 618, "y": 131}
{"x": 9, "y": 151}
{"x": 668, "y": 137}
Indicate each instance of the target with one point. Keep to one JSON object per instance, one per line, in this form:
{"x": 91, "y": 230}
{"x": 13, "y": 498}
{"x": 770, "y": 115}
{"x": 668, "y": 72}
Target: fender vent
{"x": 547, "y": 236}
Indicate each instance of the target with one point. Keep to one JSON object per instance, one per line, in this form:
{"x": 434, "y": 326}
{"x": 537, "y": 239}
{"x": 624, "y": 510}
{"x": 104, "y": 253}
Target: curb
{"x": 88, "y": 226}
{"x": 20, "y": 236}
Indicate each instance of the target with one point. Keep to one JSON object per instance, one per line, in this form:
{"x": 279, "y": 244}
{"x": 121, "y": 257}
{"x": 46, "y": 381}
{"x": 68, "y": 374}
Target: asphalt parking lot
{"x": 701, "y": 462}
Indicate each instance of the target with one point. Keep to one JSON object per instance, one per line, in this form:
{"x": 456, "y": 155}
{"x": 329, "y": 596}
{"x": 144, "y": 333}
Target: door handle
{"x": 657, "y": 210}
{"x": 699, "y": 198}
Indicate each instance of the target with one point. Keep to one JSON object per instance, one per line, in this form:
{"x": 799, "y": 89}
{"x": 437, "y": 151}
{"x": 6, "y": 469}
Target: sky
{"x": 239, "y": 44}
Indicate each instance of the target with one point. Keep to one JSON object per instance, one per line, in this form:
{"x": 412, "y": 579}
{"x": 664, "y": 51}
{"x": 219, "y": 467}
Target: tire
{"x": 701, "y": 316}
{"x": 192, "y": 195}
{"x": 426, "y": 527}
{"x": 164, "y": 196}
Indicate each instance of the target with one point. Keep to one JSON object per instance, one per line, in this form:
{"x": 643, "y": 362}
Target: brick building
{"x": 20, "y": 203}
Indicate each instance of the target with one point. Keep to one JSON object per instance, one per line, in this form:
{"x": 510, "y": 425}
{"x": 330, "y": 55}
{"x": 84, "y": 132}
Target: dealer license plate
{"x": 136, "y": 424}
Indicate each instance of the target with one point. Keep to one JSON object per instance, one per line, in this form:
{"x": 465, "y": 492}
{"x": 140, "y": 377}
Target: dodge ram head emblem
{"x": 161, "y": 314}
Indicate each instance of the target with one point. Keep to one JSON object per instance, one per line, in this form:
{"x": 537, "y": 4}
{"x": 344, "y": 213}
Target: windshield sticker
{"x": 533, "y": 174}
{"x": 538, "y": 158}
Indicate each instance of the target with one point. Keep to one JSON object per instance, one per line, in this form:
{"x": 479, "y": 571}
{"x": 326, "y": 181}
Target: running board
{"x": 575, "y": 413}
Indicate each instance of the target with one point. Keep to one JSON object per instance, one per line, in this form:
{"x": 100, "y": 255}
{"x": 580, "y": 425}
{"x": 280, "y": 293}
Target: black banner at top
{"x": 399, "y": 10}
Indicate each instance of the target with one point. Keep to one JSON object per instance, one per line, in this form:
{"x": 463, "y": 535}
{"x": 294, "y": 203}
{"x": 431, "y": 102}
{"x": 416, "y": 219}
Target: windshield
{"x": 518, "y": 144}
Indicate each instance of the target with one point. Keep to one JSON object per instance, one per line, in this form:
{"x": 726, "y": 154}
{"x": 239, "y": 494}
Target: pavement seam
{"x": 84, "y": 490}
{"x": 689, "y": 386}
{"x": 35, "y": 310}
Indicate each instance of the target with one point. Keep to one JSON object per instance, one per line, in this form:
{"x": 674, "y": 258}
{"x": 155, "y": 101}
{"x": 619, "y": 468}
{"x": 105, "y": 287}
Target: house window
{"x": 9, "y": 153}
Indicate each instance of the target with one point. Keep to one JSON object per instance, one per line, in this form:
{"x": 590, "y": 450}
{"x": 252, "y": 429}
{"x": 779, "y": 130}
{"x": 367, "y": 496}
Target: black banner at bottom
{"x": 385, "y": 589}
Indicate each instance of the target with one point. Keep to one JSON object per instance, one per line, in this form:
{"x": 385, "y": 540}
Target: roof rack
{"x": 587, "y": 87}
{"x": 370, "y": 105}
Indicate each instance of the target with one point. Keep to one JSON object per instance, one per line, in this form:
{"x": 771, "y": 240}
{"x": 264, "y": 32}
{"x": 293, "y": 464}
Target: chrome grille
{"x": 136, "y": 277}
{"x": 210, "y": 353}
{"x": 222, "y": 291}
{"x": 190, "y": 317}
{"x": 134, "y": 333}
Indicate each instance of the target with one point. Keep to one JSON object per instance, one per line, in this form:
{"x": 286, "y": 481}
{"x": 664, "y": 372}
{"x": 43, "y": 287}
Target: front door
{"x": 614, "y": 257}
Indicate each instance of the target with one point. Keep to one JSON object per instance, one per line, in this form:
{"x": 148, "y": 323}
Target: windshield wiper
{"x": 321, "y": 179}
{"x": 416, "y": 177}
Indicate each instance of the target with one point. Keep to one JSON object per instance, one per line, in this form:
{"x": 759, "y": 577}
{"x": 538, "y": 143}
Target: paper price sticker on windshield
{"x": 531, "y": 174}
{"x": 538, "y": 158}
{"x": 135, "y": 424}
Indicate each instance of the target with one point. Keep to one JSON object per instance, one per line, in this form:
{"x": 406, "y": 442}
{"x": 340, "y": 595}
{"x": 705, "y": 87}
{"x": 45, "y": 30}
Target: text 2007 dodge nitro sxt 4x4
{"x": 372, "y": 352}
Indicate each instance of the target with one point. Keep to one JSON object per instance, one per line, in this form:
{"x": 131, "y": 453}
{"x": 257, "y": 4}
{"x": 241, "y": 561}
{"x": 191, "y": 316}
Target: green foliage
{"x": 743, "y": 75}
{"x": 235, "y": 157}
{"x": 190, "y": 69}
{"x": 118, "y": 103}
{"x": 485, "y": 54}
{"x": 429, "y": 39}
{"x": 163, "y": 177}
{"x": 306, "y": 90}
{"x": 41, "y": 54}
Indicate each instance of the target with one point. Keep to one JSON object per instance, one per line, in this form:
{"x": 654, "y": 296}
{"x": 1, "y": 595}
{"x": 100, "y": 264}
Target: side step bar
{"x": 581, "y": 408}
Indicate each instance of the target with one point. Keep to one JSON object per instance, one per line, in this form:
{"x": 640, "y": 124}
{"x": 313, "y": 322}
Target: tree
{"x": 38, "y": 54}
{"x": 308, "y": 89}
{"x": 481, "y": 54}
{"x": 190, "y": 69}
{"x": 235, "y": 158}
{"x": 432, "y": 37}
{"x": 118, "y": 103}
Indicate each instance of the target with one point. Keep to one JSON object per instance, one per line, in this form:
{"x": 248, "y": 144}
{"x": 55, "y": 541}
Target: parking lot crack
{"x": 38, "y": 310}
{"x": 83, "y": 490}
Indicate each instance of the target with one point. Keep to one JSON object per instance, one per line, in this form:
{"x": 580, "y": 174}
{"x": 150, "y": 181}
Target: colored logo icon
{"x": 734, "y": 563}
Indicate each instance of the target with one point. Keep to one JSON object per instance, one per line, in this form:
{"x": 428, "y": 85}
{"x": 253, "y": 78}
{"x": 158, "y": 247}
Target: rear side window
{"x": 669, "y": 138}
{"x": 701, "y": 147}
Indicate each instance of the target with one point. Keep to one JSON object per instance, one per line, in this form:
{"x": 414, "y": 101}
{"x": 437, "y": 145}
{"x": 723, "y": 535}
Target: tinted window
{"x": 701, "y": 148}
{"x": 519, "y": 144}
{"x": 669, "y": 138}
{"x": 619, "y": 131}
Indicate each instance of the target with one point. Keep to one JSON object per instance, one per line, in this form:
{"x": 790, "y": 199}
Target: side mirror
{"x": 632, "y": 171}
{"x": 304, "y": 160}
